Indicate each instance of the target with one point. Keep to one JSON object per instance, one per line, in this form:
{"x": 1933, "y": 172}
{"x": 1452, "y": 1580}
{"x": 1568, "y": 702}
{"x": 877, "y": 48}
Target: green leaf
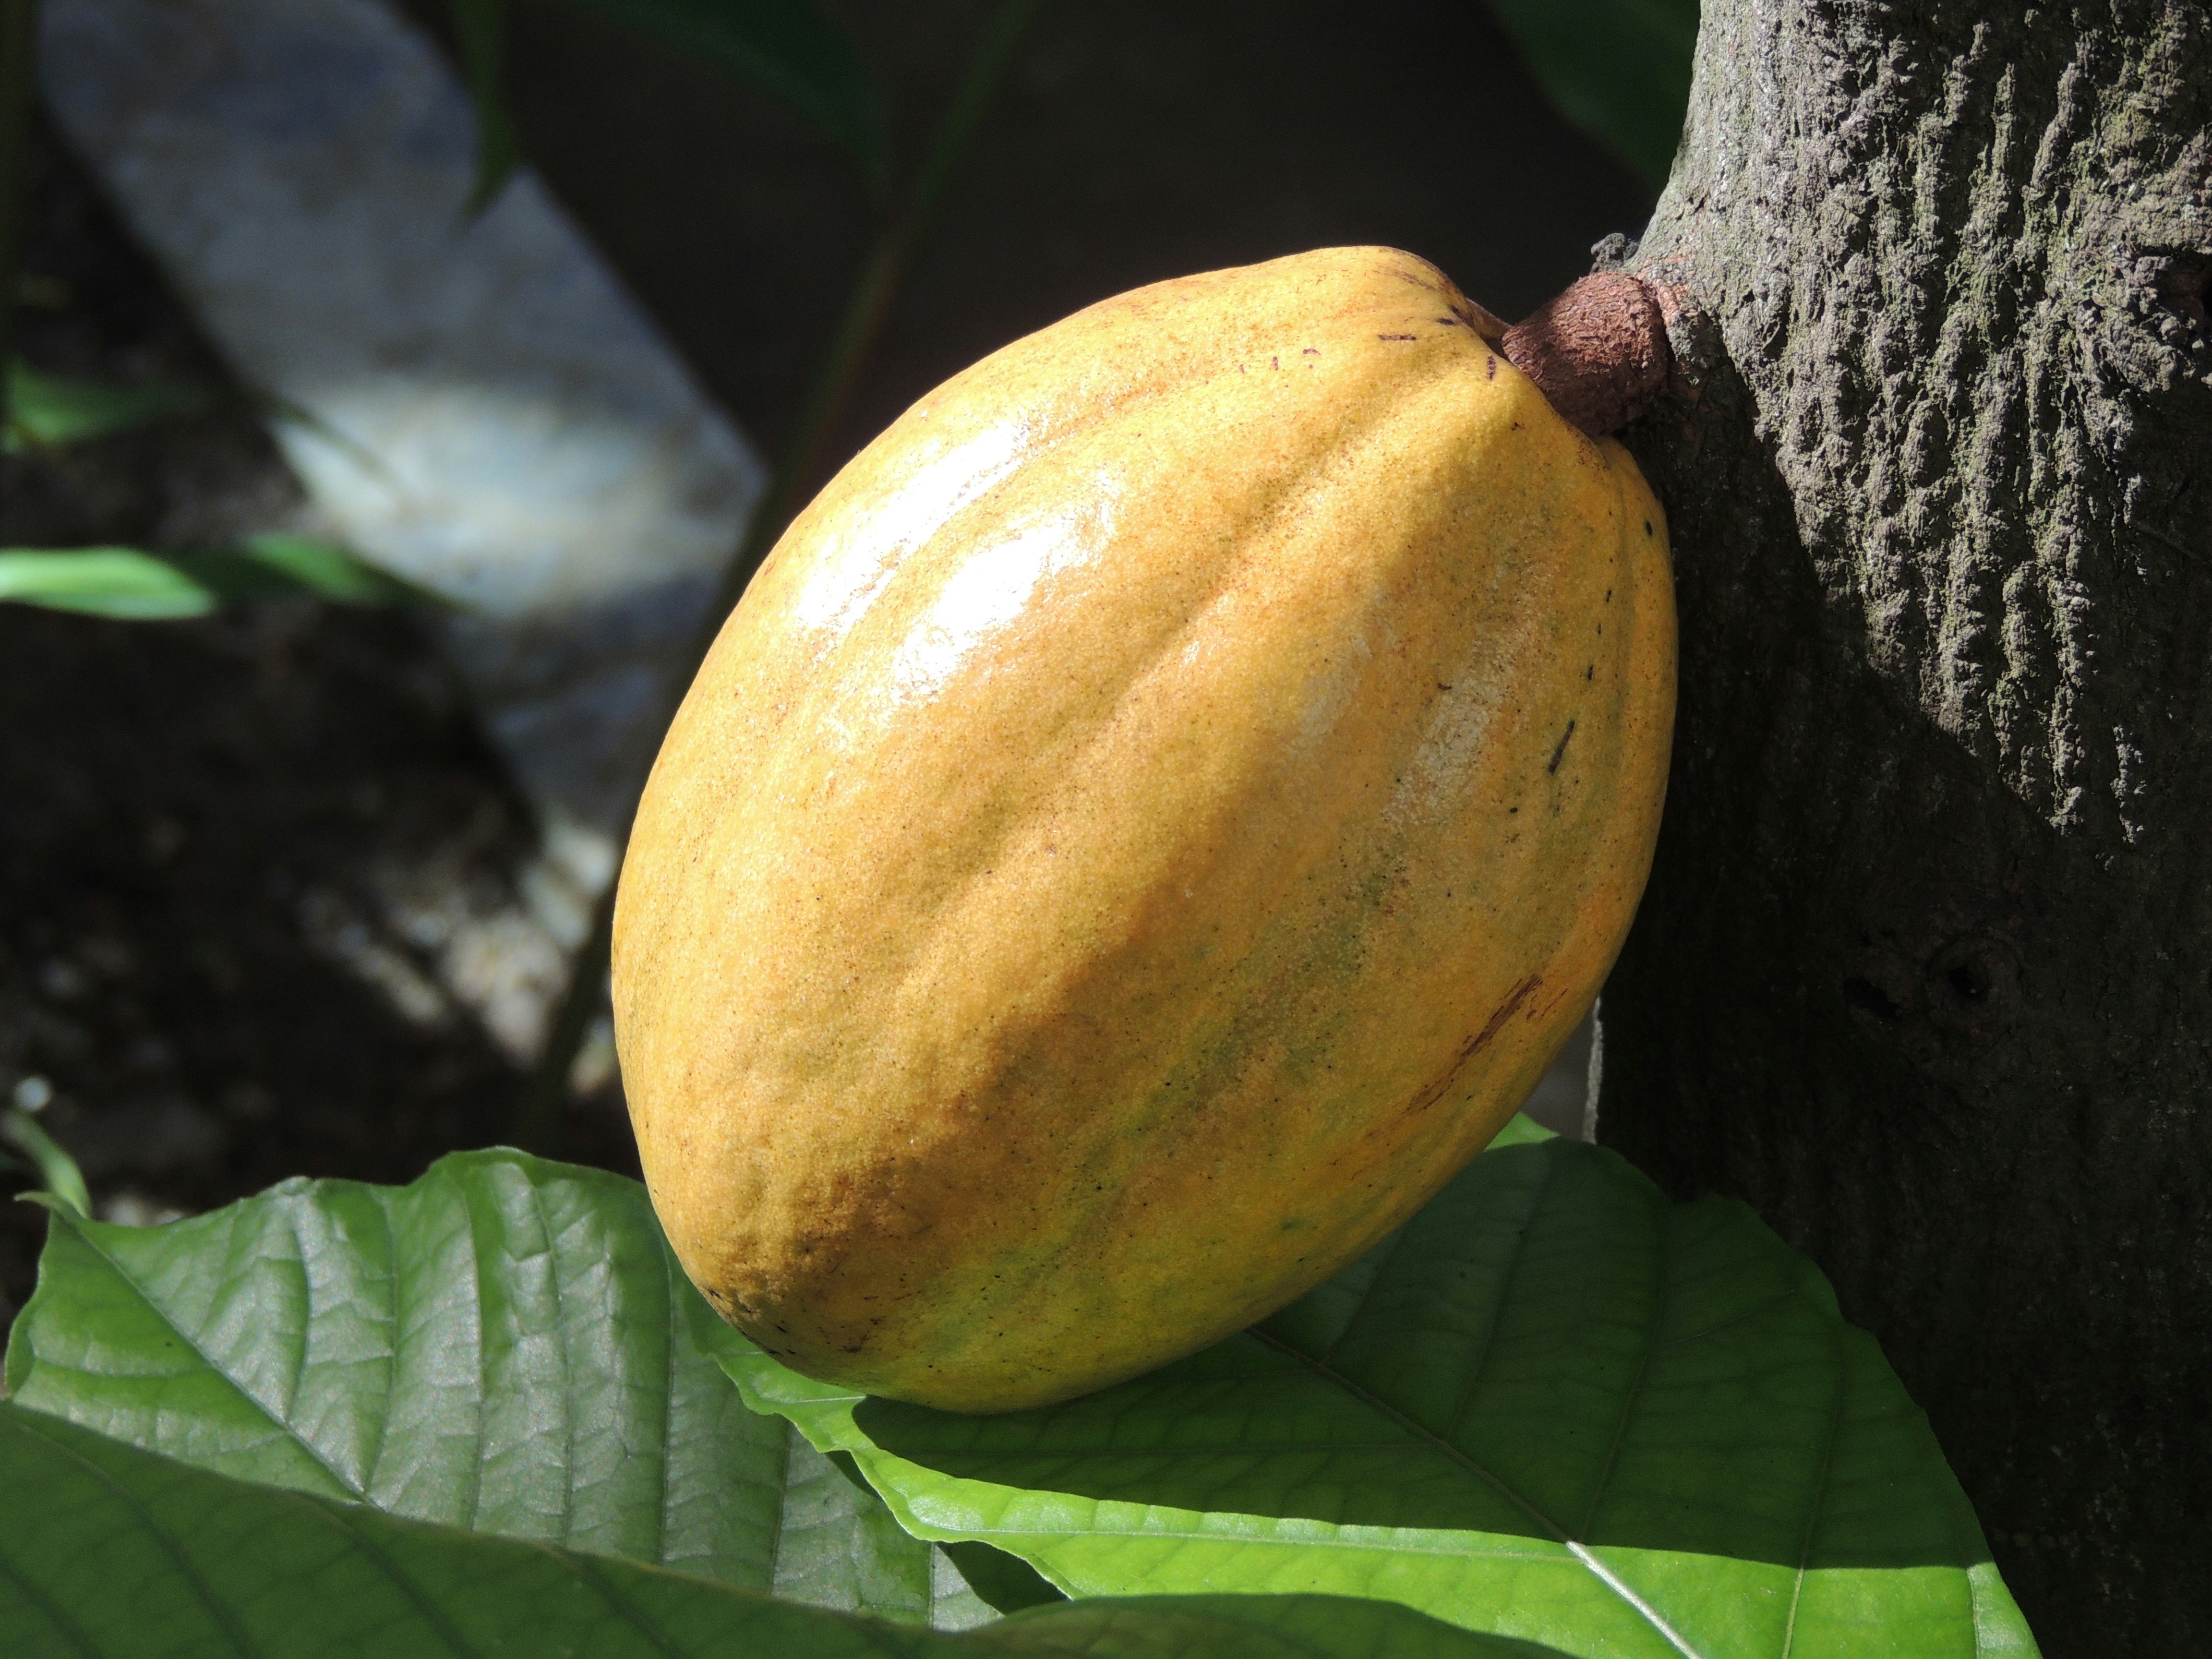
{"x": 109, "y": 1552}
{"x": 506, "y": 1345}
{"x": 55, "y": 1168}
{"x": 50, "y": 410}
{"x": 103, "y": 581}
{"x": 133, "y": 585}
{"x": 270, "y": 564}
{"x": 480, "y": 28}
{"x": 63, "y": 1181}
{"x": 1618, "y": 68}
{"x": 1555, "y": 1406}
{"x": 788, "y": 47}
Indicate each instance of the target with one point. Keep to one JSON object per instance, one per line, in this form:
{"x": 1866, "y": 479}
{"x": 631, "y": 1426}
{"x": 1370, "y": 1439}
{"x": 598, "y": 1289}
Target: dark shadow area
{"x": 1136, "y": 141}
{"x": 1853, "y": 1022}
{"x": 193, "y": 961}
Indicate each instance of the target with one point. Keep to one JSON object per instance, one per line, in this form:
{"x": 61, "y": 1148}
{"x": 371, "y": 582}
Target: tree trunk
{"x": 1924, "y": 971}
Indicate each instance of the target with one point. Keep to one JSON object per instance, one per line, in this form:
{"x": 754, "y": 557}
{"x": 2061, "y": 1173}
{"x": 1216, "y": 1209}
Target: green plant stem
{"x": 19, "y": 55}
{"x": 480, "y": 31}
{"x": 829, "y": 391}
{"x": 55, "y": 1166}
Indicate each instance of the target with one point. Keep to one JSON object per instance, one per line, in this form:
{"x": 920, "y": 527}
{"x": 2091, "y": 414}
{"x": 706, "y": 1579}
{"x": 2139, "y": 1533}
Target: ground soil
{"x": 229, "y": 847}
{"x": 208, "y": 829}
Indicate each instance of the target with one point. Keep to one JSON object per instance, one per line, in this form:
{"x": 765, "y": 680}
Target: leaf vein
{"x": 1460, "y": 1408}
{"x": 1613, "y": 1582}
{"x": 1366, "y": 1295}
{"x": 585, "y": 1571}
{"x": 672, "y": 1335}
{"x": 167, "y": 1539}
{"x": 483, "y": 1364}
{"x": 341, "y": 1519}
{"x": 1819, "y": 1504}
{"x": 1634, "y": 1396}
{"x": 568, "y": 1376}
{"x": 371, "y": 1463}
{"x": 1451, "y": 1451}
{"x": 298, "y": 1264}
{"x": 282, "y": 1426}
{"x": 55, "y": 1615}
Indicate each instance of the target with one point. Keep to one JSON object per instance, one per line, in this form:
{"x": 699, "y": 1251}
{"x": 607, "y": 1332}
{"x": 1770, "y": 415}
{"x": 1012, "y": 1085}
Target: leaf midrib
{"x": 1537, "y": 1552}
{"x": 166, "y": 1541}
{"x": 315, "y": 1453}
{"x": 1579, "y": 1551}
{"x": 374, "y": 1460}
{"x": 1820, "y": 1505}
{"x": 1663, "y": 1295}
{"x": 31, "y": 1591}
{"x": 1421, "y": 1433}
{"x": 560, "y": 1344}
{"x": 1454, "y": 1453}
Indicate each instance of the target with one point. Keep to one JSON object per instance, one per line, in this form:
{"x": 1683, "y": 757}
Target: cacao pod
{"x": 1150, "y": 822}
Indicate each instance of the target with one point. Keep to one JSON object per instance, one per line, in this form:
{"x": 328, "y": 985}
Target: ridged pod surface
{"x": 1151, "y": 820}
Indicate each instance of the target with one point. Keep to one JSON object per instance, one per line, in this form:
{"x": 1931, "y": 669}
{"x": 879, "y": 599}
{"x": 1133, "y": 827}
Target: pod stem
{"x": 1598, "y": 352}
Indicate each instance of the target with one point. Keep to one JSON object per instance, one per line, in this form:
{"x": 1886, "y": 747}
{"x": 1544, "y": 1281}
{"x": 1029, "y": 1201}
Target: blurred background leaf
{"x": 1620, "y": 69}
{"x": 265, "y": 566}
{"x": 130, "y": 585}
{"x": 56, "y": 1171}
{"x": 480, "y": 31}
{"x": 52, "y": 410}
{"x": 119, "y": 582}
{"x": 787, "y": 47}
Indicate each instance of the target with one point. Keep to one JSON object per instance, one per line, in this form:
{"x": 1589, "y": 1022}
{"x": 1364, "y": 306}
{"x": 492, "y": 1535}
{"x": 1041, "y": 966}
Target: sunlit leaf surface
{"x": 1556, "y": 1406}
{"x": 505, "y": 1345}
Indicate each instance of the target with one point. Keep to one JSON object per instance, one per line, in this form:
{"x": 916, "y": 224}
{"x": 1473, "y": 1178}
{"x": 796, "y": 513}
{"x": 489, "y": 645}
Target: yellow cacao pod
{"x": 1150, "y": 821}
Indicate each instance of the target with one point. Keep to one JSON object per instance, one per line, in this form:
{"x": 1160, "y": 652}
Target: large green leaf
{"x": 109, "y": 1552}
{"x": 1554, "y": 1405}
{"x": 506, "y": 1345}
{"x": 1618, "y": 68}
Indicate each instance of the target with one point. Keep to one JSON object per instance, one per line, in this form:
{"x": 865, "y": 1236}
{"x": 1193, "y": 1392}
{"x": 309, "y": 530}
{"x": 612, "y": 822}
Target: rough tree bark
{"x": 1924, "y": 971}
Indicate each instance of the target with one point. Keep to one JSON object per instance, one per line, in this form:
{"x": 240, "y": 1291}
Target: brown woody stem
{"x": 1598, "y": 353}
